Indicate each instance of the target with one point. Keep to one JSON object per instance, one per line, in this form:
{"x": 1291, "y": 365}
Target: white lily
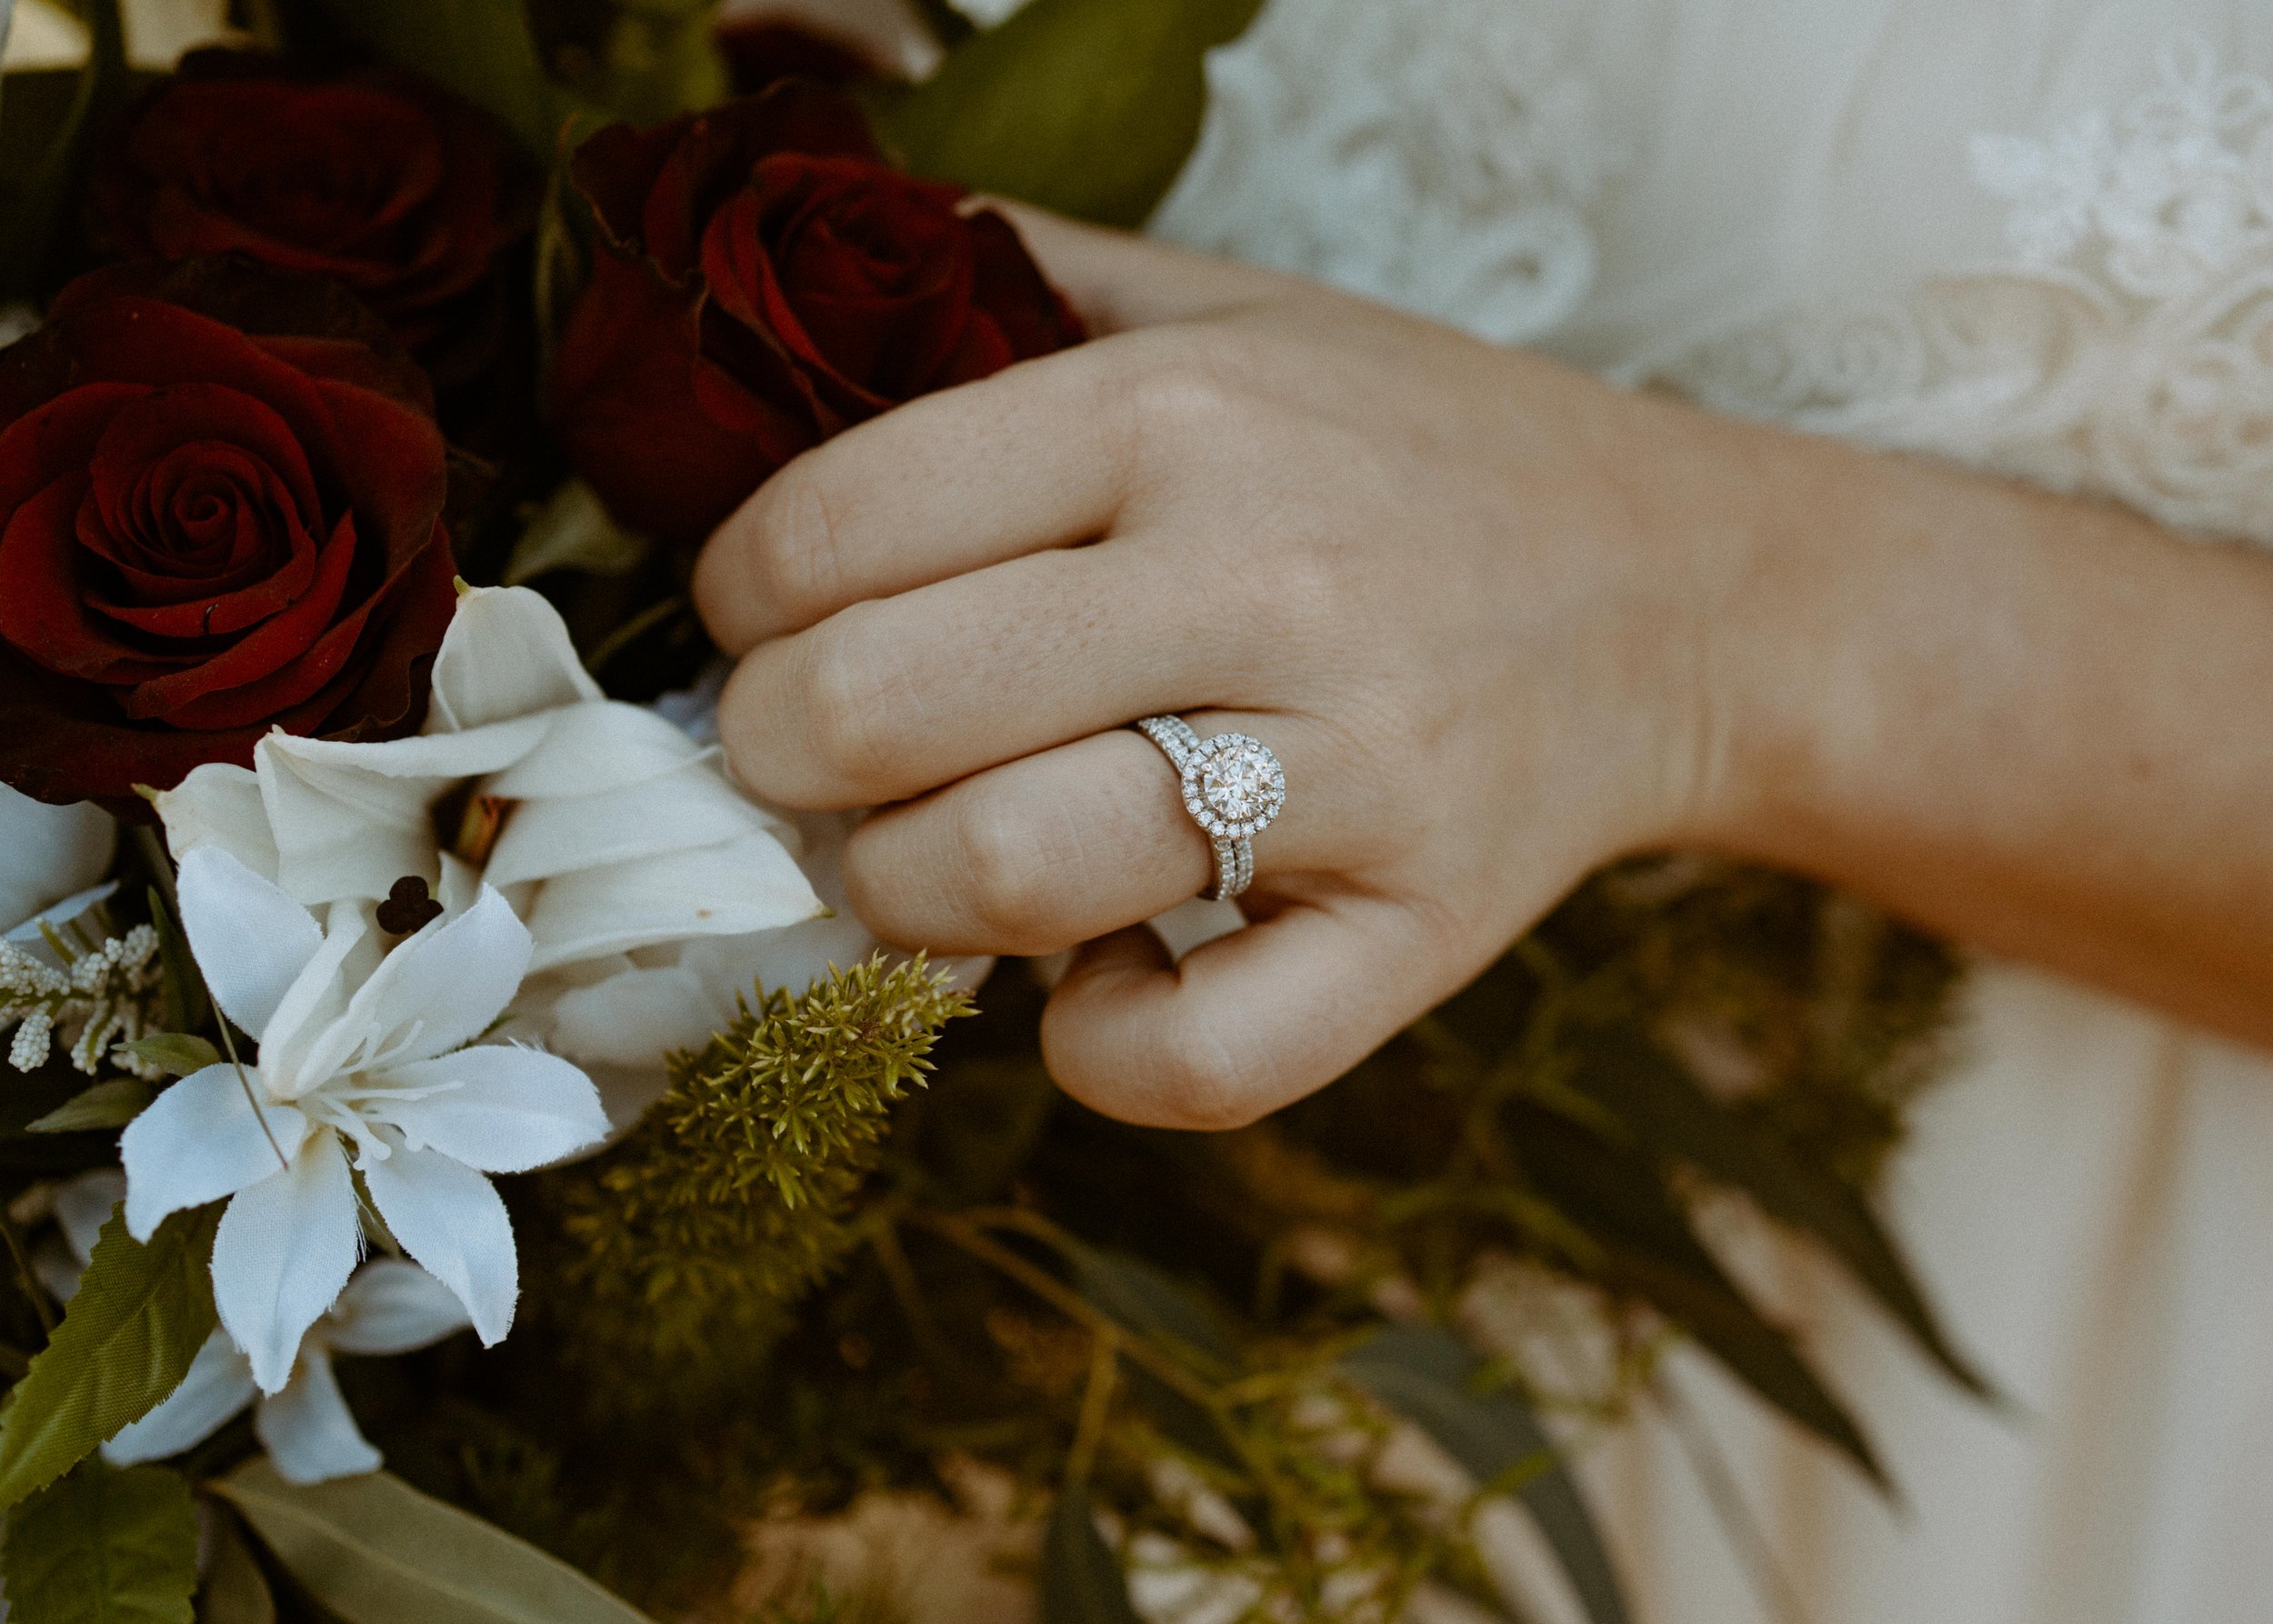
{"x": 389, "y": 1306}
{"x": 358, "y": 1050}
{"x": 608, "y": 828}
{"x": 51, "y": 862}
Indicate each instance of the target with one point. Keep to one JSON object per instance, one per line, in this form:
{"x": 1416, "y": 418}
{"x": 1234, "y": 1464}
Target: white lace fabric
{"x": 1446, "y": 155}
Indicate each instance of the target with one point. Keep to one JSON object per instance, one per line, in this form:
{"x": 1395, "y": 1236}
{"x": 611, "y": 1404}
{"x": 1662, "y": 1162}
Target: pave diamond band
{"x": 1232, "y": 786}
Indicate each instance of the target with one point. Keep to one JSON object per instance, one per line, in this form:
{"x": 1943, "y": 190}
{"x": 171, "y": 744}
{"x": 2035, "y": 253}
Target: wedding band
{"x": 1233, "y": 787}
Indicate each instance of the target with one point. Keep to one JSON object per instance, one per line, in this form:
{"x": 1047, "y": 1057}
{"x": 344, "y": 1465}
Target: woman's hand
{"x": 1501, "y": 623}
{"x": 1435, "y": 577}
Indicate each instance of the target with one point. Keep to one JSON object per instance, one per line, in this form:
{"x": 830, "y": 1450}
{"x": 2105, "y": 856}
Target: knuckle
{"x": 793, "y": 564}
{"x": 849, "y": 702}
{"x": 1196, "y": 1082}
{"x": 1007, "y": 890}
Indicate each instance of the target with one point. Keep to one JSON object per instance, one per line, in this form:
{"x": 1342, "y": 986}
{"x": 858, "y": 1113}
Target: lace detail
{"x": 2126, "y": 350}
{"x": 1435, "y": 154}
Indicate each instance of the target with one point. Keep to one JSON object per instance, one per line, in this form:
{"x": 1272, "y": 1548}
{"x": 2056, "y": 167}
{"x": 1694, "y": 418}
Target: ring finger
{"x": 1067, "y": 846}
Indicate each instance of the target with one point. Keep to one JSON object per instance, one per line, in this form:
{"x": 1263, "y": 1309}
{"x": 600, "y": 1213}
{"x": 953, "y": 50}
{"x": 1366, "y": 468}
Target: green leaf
{"x": 1081, "y": 1578}
{"x": 1428, "y": 1374}
{"x": 374, "y": 1550}
{"x": 104, "y": 1546}
{"x": 1086, "y": 106}
{"x": 1154, "y": 1305}
{"x": 34, "y": 213}
{"x": 573, "y": 531}
{"x": 178, "y": 1054}
{"x": 185, "y": 1003}
{"x": 1663, "y": 1106}
{"x": 113, "y": 1104}
{"x": 235, "y": 1591}
{"x": 1617, "y": 1196}
{"x": 480, "y": 49}
{"x": 140, "y": 1316}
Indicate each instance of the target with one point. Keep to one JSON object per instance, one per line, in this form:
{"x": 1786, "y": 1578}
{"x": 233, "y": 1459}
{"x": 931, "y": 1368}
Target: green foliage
{"x": 1428, "y": 1376}
{"x": 685, "y": 1250}
{"x": 643, "y": 60}
{"x": 480, "y": 49}
{"x": 1081, "y": 1577}
{"x": 175, "y": 1054}
{"x": 234, "y": 1589}
{"x": 374, "y": 1550}
{"x": 42, "y": 157}
{"x": 106, "y": 1105}
{"x": 1086, "y": 106}
{"x": 571, "y": 530}
{"x": 104, "y": 1545}
{"x": 139, "y": 1317}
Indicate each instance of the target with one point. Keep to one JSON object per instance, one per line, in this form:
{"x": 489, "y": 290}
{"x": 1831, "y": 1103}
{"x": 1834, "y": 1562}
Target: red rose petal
{"x": 147, "y": 431}
{"x": 56, "y": 439}
{"x": 43, "y": 610}
{"x": 287, "y": 640}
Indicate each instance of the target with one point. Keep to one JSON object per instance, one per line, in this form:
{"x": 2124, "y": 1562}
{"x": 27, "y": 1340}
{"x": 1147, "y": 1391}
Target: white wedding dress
{"x": 2033, "y": 235}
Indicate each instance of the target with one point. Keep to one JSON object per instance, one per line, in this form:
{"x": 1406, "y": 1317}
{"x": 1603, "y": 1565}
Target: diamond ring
{"x": 1233, "y": 787}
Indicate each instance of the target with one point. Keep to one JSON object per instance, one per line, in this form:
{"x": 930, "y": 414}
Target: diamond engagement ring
{"x": 1233, "y": 787}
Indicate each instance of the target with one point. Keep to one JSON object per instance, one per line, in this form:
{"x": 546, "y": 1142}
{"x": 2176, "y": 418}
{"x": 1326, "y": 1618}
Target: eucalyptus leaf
{"x": 1617, "y": 1195}
{"x": 480, "y": 49}
{"x": 374, "y": 1550}
{"x": 573, "y": 531}
{"x": 1663, "y": 1106}
{"x": 1081, "y": 1578}
{"x": 178, "y": 1054}
{"x": 1154, "y": 1305}
{"x": 104, "y": 1545}
{"x": 235, "y": 1591}
{"x": 110, "y": 1104}
{"x": 1086, "y": 106}
{"x": 1428, "y": 1376}
{"x": 125, "y": 1342}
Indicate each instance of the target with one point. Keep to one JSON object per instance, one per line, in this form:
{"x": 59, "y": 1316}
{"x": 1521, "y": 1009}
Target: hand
{"x": 1450, "y": 585}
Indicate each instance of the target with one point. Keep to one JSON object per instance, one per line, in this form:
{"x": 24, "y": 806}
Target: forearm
{"x": 2041, "y": 725}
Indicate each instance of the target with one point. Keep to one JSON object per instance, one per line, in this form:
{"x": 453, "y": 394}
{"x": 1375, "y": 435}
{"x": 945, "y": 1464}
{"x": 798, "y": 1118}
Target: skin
{"x": 1502, "y": 622}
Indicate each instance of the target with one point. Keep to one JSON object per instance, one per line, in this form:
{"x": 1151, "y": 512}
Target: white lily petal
{"x": 495, "y": 1107}
{"x": 694, "y": 807}
{"x": 309, "y": 1432}
{"x": 392, "y": 1306}
{"x": 507, "y": 654}
{"x": 35, "y": 929}
{"x": 745, "y": 884}
{"x": 285, "y": 1250}
{"x": 47, "y": 852}
{"x": 202, "y": 1139}
{"x": 219, "y": 804}
{"x": 218, "y": 1384}
{"x": 83, "y": 1204}
{"x": 448, "y": 982}
{"x": 589, "y": 749}
{"x": 351, "y": 820}
{"x": 635, "y": 1016}
{"x": 250, "y": 938}
{"x": 451, "y": 1219}
{"x": 314, "y": 1014}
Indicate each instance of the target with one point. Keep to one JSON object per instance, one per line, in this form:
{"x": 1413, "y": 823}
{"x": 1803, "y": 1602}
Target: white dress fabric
{"x": 2033, "y": 235}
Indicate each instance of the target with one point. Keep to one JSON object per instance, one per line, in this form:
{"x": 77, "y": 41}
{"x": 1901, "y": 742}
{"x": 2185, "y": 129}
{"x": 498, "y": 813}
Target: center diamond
{"x": 1236, "y": 786}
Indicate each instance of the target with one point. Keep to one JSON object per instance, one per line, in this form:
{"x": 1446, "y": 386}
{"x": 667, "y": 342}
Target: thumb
{"x": 1117, "y": 280}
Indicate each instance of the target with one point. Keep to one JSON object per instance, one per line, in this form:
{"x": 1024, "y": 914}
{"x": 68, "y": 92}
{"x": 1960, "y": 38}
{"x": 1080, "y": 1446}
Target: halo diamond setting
{"x": 1232, "y": 785}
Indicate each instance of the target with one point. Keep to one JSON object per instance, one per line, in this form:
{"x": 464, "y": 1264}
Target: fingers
{"x": 1117, "y": 280}
{"x": 1035, "y": 457}
{"x": 891, "y": 698}
{"x": 1061, "y": 847}
{"x": 1244, "y": 1023}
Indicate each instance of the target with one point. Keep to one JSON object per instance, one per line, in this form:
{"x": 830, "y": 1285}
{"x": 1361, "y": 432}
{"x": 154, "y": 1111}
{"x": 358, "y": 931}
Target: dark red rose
{"x": 767, "y": 281}
{"x": 221, "y": 495}
{"x": 405, "y": 196}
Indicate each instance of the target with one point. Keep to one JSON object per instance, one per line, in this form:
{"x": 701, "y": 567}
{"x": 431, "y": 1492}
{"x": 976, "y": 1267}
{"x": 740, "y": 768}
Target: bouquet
{"x": 460, "y": 1158}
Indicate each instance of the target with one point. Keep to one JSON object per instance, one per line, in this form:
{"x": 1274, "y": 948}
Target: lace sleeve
{"x": 2126, "y": 347}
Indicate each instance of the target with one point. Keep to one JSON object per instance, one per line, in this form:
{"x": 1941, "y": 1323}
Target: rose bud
{"x": 221, "y": 499}
{"x": 765, "y": 281}
{"x": 403, "y": 195}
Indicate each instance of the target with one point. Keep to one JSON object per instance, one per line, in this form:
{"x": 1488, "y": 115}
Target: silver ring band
{"x": 1232, "y": 786}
